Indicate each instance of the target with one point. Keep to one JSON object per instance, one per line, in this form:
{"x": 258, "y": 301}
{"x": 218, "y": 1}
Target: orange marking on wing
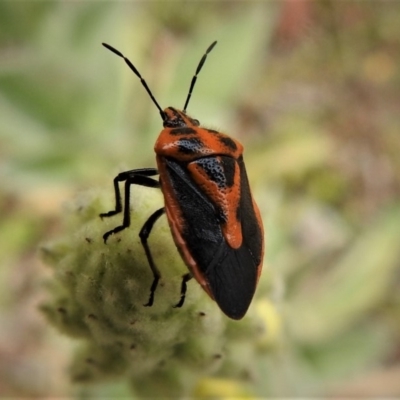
{"x": 226, "y": 201}
{"x": 258, "y": 216}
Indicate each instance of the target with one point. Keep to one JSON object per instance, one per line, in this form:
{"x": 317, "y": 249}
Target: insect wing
{"x": 228, "y": 274}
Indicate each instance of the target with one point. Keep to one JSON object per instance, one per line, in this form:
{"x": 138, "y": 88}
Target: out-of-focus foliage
{"x": 312, "y": 91}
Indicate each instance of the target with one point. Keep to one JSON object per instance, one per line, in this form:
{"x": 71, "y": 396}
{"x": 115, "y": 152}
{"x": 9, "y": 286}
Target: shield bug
{"x": 214, "y": 221}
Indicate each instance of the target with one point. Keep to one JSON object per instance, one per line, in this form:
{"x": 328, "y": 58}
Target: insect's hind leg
{"x": 186, "y": 278}
{"x": 144, "y": 235}
{"x": 134, "y": 177}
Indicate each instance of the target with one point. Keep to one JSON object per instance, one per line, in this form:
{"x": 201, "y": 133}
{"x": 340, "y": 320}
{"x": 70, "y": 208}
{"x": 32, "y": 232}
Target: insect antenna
{"x": 136, "y": 72}
{"x": 194, "y": 79}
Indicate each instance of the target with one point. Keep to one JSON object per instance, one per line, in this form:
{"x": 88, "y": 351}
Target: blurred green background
{"x": 312, "y": 90}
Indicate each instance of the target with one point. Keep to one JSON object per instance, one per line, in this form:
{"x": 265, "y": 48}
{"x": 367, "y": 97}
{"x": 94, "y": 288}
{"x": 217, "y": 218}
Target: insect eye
{"x": 195, "y": 122}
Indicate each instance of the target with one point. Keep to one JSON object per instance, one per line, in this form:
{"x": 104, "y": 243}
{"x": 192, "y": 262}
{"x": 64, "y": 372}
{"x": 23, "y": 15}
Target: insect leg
{"x": 130, "y": 178}
{"x": 123, "y": 176}
{"x": 144, "y": 235}
{"x": 187, "y": 277}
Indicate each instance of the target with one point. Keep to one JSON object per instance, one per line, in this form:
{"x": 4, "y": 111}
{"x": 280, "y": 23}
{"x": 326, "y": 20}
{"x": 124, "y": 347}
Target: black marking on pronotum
{"x": 190, "y": 146}
{"x": 228, "y": 142}
{"x": 182, "y": 131}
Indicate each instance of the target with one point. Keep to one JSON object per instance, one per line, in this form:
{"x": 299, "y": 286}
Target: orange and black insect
{"x": 215, "y": 223}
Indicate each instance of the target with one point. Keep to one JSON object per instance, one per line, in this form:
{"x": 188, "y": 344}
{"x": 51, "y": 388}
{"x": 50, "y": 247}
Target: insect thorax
{"x": 183, "y": 139}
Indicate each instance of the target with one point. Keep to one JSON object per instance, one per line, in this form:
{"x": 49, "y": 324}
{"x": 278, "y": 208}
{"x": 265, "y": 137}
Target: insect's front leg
{"x": 133, "y": 177}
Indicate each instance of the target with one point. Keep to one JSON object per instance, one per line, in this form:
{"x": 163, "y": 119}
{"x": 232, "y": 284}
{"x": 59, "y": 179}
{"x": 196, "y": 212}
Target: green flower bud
{"x": 98, "y": 291}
